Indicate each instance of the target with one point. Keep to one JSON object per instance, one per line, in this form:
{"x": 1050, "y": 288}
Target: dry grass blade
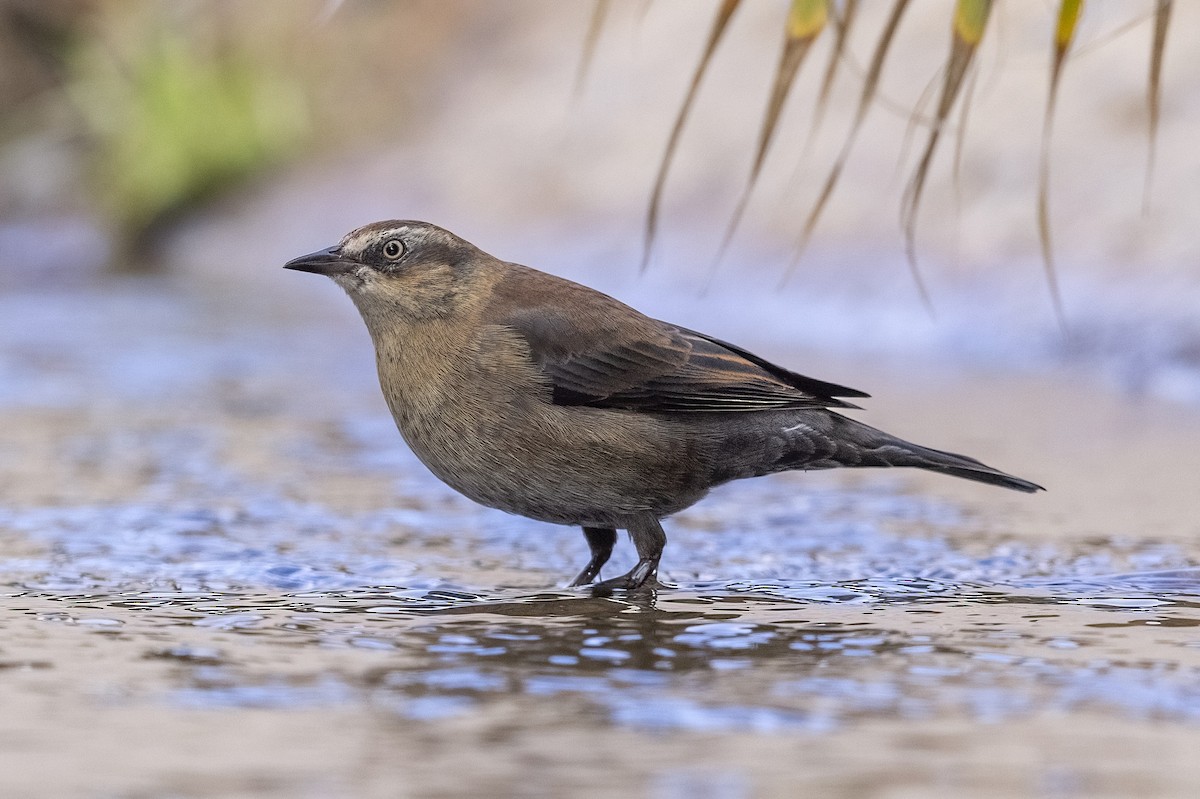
{"x": 964, "y": 115}
{"x": 1096, "y": 42}
{"x": 806, "y": 19}
{"x": 917, "y": 118}
{"x": 870, "y": 85}
{"x": 1162, "y": 18}
{"x": 970, "y": 21}
{"x": 727, "y": 9}
{"x": 595, "y": 26}
{"x": 1069, "y": 12}
{"x": 842, "y": 25}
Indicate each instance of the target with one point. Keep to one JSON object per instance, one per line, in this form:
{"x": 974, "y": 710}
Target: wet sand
{"x": 229, "y": 578}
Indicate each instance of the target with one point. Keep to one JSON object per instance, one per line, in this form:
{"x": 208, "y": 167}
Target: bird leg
{"x": 601, "y": 541}
{"x": 649, "y": 539}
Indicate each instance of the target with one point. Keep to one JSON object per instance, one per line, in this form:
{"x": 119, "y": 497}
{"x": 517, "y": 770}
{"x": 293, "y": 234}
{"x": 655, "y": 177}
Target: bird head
{"x": 397, "y": 270}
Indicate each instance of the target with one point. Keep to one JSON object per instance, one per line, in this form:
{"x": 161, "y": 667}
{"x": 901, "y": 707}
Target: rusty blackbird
{"x": 541, "y": 397}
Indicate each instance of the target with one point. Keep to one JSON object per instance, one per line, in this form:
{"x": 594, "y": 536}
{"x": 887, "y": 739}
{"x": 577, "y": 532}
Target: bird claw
{"x": 642, "y": 576}
{"x": 585, "y": 577}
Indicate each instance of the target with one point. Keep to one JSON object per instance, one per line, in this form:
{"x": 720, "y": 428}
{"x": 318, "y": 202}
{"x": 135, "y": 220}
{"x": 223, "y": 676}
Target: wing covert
{"x": 596, "y": 351}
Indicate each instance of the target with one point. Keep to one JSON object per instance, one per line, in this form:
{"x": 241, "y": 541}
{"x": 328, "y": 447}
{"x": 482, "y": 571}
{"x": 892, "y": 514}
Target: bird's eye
{"x": 393, "y": 249}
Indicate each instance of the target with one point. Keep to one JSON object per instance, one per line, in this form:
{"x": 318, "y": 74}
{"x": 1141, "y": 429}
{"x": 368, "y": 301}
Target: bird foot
{"x": 585, "y": 577}
{"x": 643, "y": 575}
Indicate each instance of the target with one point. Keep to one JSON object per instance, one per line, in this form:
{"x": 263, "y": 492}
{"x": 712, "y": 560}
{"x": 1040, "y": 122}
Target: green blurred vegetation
{"x": 130, "y": 112}
{"x": 174, "y": 118}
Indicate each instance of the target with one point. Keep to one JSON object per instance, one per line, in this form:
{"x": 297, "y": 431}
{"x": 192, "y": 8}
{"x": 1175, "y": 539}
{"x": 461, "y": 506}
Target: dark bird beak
{"x": 322, "y": 262}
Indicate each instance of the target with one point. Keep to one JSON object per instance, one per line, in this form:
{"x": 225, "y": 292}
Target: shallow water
{"x": 222, "y": 574}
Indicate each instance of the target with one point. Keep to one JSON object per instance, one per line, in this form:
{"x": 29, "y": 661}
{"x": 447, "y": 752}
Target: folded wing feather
{"x": 603, "y": 354}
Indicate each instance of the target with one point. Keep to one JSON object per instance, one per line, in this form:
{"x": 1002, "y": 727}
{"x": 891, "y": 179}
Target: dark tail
{"x": 880, "y": 449}
{"x": 969, "y": 469}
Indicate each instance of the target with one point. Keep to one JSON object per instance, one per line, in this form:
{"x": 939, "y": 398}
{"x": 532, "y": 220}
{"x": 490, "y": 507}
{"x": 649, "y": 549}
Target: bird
{"x": 544, "y": 398}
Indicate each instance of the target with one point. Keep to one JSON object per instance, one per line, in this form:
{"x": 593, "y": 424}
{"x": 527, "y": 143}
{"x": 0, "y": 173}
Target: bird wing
{"x": 596, "y": 351}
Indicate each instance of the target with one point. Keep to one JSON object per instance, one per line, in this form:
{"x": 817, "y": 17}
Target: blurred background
{"x": 223, "y": 574}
